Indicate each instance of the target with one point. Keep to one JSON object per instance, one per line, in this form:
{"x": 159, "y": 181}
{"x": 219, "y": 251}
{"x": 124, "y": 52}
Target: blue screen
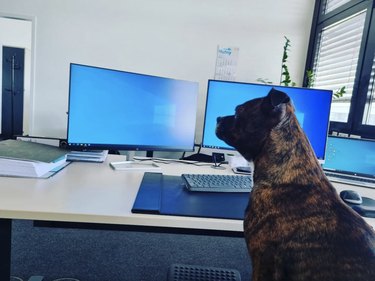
{"x": 111, "y": 109}
{"x": 312, "y": 109}
{"x": 355, "y": 156}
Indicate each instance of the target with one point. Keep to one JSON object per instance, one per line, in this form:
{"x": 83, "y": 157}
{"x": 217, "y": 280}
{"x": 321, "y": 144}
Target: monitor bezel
{"x": 125, "y": 146}
{"x": 205, "y": 148}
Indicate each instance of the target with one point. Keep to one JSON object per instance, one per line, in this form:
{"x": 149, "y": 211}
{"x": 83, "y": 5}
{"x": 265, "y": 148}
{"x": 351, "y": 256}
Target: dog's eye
{"x": 237, "y": 112}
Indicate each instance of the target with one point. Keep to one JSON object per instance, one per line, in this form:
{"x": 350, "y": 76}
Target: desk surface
{"x": 95, "y": 193}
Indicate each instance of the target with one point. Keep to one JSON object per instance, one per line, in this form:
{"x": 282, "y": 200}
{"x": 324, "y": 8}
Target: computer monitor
{"x": 119, "y": 110}
{"x": 312, "y": 111}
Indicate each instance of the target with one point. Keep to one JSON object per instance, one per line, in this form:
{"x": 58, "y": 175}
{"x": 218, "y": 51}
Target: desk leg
{"x": 5, "y": 246}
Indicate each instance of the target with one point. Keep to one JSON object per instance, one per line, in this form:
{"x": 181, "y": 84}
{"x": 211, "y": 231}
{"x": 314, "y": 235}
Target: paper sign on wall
{"x": 226, "y": 63}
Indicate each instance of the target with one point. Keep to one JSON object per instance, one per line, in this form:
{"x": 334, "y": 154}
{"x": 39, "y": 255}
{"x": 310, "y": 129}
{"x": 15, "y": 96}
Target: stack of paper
{"x": 88, "y": 155}
{"x": 30, "y": 159}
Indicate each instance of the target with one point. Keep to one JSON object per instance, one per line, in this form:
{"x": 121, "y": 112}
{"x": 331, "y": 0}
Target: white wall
{"x": 169, "y": 38}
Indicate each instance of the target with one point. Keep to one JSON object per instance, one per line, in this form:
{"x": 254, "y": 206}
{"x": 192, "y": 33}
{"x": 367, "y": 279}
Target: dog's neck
{"x": 287, "y": 161}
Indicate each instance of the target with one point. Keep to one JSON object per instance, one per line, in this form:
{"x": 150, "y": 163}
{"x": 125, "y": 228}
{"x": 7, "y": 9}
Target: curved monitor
{"x": 312, "y": 110}
{"x": 119, "y": 110}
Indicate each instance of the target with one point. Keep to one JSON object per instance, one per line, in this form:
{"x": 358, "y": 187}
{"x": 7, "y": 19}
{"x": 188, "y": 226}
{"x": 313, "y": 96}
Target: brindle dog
{"x": 296, "y": 226}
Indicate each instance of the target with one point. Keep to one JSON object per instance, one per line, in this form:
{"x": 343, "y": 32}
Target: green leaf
{"x": 264, "y": 80}
{"x": 340, "y": 92}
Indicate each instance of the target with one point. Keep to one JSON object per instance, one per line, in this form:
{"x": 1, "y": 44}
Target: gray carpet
{"x": 104, "y": 255}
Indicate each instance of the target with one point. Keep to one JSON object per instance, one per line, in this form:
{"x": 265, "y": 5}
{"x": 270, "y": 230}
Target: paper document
{"x": 226, "y": 63}
{"x": 88, "y": 155}
{"x": 29, "y": 159}
{"x": 133, "y": 166}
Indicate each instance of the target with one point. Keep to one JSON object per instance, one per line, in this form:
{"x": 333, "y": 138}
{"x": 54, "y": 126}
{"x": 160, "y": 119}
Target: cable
{"x": 65, "y": 279}
{"x": 15, "y": 278}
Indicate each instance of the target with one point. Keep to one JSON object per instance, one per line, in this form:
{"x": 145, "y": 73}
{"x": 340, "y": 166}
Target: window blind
{"x": 330, "y": 5}
{"x": 336, "y": 59}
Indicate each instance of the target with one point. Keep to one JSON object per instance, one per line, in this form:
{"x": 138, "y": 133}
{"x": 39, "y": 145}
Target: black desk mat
{"x": 167, "y": 195}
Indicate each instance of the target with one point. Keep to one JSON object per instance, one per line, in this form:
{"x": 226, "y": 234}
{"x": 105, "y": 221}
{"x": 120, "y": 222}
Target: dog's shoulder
{"x": 305, "y": 227}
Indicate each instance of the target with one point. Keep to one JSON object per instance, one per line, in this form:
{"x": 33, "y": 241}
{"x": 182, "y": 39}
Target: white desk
{"x": 94, "y": 193}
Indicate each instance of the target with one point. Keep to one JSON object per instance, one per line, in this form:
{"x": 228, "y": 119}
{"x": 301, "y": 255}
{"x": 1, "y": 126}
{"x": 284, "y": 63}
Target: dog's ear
{"x": 274, "y": 99}
{"x": 278, "y": 97}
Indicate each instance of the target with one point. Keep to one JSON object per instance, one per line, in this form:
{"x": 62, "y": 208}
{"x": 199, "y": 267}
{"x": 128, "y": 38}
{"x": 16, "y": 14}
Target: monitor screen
{"x": 112, "y": 109}
{"x": 340, "y": 156}
{"x": 312, "y": 110}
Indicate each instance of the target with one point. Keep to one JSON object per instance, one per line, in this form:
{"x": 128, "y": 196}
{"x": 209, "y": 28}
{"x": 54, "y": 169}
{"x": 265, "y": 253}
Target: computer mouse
{"x": 351, "y": 197}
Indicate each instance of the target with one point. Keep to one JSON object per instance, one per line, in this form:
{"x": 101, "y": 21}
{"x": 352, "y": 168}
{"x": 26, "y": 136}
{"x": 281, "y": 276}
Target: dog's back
{"x": 296, "y": 226}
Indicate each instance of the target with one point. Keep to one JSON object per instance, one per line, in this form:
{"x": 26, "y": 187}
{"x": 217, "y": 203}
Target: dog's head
{"x": 253, "y": 121}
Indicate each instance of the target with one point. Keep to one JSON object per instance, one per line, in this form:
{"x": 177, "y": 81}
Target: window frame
{"x": 354, "y": 125}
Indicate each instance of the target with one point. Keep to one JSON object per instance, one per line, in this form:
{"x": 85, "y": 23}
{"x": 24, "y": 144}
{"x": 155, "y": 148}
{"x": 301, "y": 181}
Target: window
{"x": 331, "y": 5}
{"x": 369, "y": 114}
{"x": 341, "y": 54}
{"x": 336, "y": 61}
